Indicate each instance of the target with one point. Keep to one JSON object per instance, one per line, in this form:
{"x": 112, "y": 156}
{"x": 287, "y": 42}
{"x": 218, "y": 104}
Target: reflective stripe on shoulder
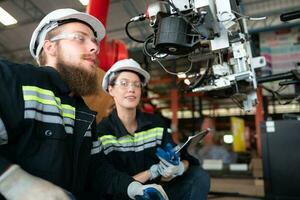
{"x": 42, "y": 105}
{"x": 88, "y": 132}
{"x": 137, "y": 142}
{"x": 86, "y": 118}
{"x": 3, "y": 133}
{"x": 96, "y": 148}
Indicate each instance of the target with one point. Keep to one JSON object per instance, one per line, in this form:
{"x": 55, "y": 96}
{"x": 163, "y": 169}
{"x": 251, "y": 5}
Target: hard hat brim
{"x": 106, "y": 78}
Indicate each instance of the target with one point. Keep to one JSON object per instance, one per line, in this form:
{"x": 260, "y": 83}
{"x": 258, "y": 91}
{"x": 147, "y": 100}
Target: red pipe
{"x": 259, "y": 117}
{"x": 99, "y": 9}
{"x": 174, "y": 108}
{"x": 110, "y": 52}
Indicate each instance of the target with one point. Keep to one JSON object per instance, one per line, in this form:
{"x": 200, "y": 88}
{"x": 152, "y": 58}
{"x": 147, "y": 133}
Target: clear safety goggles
{"x": 78, "y": 37}
{"x": 126, "y": 84}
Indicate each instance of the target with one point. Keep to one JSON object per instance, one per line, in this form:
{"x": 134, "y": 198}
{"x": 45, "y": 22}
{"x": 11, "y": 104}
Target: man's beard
{"x": 81, "y": 81}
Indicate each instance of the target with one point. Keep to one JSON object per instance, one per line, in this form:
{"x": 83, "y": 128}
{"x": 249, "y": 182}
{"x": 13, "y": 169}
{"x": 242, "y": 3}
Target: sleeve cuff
{"x": 4, "y": 165}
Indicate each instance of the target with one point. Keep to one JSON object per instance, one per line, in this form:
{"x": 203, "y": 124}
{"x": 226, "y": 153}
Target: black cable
{"x": 284, "y": 17}
{"x": 145, "y": 49}
{"x": 202, "y": 78}
{"x": 237, "y": 102}
{"x": 235, "y": 7}
{"x": 278, "y": 97}
{"x": 276, "y": 77}
{"x": 129, "y": 35}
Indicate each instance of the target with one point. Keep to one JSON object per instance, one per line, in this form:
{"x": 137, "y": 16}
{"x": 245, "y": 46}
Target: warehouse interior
{"x": 254, "y": 123}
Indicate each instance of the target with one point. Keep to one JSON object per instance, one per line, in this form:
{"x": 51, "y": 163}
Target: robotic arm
{"x": 189, "y": 27}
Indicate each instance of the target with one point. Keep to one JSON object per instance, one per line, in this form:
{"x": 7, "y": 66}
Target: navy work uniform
{"x": 134, "y": 153}
{"x": 50, "y": 133}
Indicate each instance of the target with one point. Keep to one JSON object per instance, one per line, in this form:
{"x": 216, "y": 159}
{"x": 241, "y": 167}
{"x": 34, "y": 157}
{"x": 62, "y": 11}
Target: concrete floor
{"x": 246, "y": 189}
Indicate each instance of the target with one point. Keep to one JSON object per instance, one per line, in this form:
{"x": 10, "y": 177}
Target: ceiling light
{"x": 84, "y": 2}
{"x": 5, "y": 18}
{"x": 228, "y": 139}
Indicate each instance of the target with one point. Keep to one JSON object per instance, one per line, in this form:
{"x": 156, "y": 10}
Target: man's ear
{"x": 49, "y": 47}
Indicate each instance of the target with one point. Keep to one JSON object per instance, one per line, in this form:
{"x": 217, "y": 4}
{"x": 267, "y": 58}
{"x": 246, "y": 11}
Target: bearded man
{"x": 48, "y": 146}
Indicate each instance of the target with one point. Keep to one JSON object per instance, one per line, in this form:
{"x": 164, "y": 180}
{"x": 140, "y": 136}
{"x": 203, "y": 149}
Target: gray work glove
{"x": 157, "y": 170}
{"x": 169, "y": 170}
{"x": 17, "y": 184}
{"x": 154, "y": 171}
{"x": 137, "y": 189}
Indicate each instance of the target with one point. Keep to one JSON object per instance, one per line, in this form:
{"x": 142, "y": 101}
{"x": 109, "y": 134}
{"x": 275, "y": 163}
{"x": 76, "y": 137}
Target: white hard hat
{"x": 125, "y": 64}
{"x": 52, "y": 20}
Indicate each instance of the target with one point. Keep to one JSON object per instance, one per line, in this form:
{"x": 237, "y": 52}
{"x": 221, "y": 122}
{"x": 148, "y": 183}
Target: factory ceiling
{"x": 14, "y": 39}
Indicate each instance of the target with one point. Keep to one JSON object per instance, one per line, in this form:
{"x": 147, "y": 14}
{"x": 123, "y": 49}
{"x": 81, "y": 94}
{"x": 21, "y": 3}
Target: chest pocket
{"x": 53, "y": 132}
{"x": 44, "y": 107}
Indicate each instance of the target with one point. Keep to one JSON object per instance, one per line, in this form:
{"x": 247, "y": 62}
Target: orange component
{"x": 259, "y": 118}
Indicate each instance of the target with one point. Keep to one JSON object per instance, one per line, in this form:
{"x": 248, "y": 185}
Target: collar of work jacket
{"x": 120, "y": 130}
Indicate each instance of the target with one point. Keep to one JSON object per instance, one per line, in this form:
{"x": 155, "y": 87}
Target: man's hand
{"x": 17, "y": 184}
{"x": 136, "y": 190}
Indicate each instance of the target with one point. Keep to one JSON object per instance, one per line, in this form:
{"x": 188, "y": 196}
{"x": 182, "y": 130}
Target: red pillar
{"x": 259, "y": 117}
{"x": 99, "y": 9}
{"x": 174, "y": 109}
{"x": 110, "y": 52}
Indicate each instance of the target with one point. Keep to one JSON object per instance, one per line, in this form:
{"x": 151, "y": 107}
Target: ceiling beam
{"x": 6, "y": 52}
{"x": 30, "y": 8}
{"x": 132, "y": 11}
